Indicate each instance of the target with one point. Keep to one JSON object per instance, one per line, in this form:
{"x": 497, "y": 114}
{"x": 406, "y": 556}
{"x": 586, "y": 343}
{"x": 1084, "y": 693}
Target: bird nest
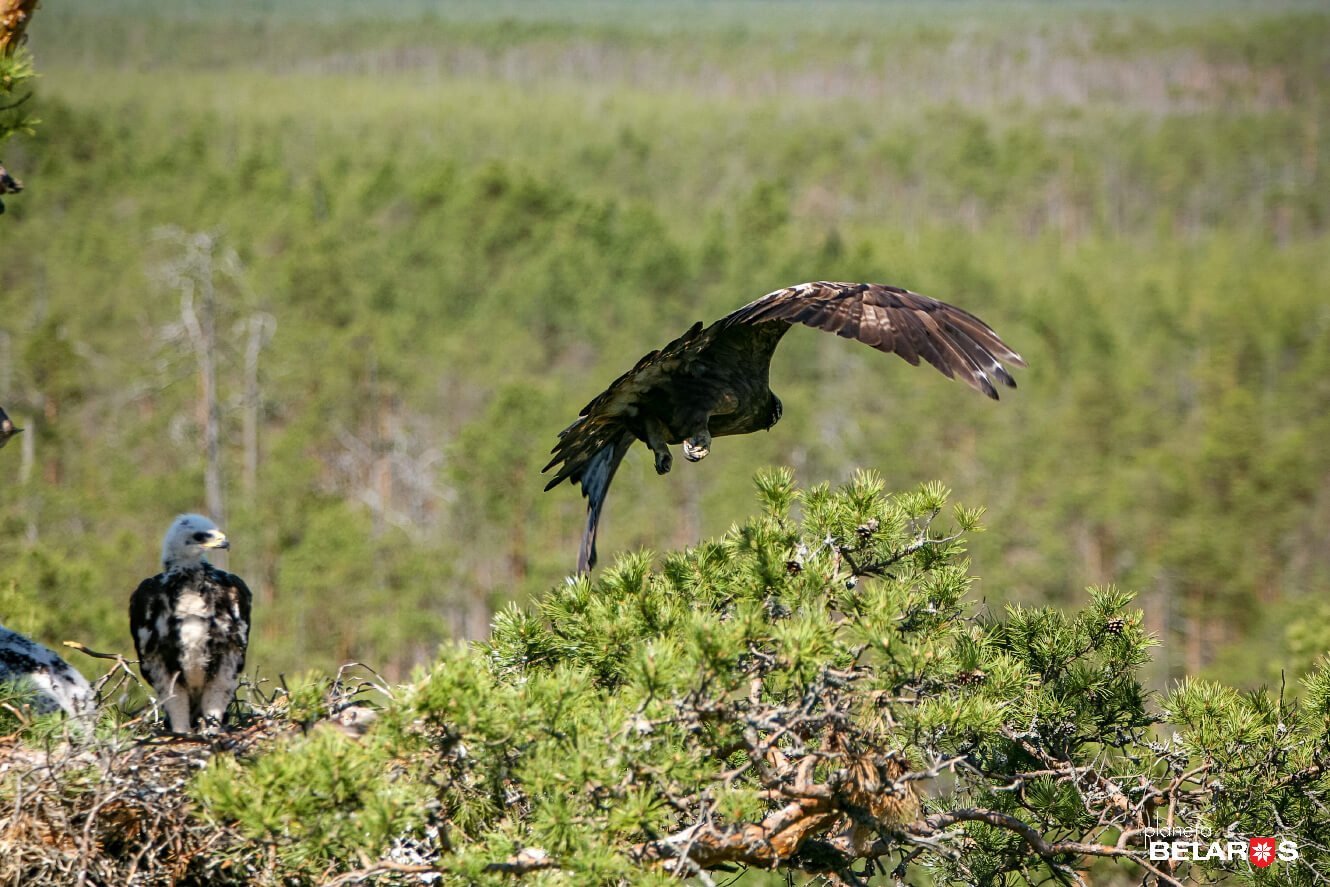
{"x": 107, "y": 811}
{"x": 110, "y": 804}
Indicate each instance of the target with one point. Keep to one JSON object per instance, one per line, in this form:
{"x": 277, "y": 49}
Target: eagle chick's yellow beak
{"x": 216, "y": 540}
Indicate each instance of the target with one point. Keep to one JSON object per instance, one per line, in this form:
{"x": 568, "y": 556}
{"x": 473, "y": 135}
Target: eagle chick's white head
{"x": 189, "y": 537}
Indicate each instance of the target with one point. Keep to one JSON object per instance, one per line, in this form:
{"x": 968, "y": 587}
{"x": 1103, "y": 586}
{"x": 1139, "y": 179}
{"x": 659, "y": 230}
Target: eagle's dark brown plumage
{"x": 712, "y": 381}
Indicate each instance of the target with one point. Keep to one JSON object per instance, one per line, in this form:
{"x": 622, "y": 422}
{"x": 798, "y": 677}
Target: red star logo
{"x": 1261, "y": 851}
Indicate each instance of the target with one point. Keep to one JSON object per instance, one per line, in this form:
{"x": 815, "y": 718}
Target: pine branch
{"x": 15, "y": 16}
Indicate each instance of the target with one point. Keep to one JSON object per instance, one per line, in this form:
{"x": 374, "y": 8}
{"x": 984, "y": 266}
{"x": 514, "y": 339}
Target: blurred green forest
{"x": 430, "y": 232}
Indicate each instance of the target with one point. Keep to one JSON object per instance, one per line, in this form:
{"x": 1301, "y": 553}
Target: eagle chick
{"x": 191, "y": 627}
{"x": 53, "y": 683}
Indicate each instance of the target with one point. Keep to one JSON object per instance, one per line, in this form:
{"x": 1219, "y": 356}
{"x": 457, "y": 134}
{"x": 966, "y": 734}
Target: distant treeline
{"x": 433, "y": 240}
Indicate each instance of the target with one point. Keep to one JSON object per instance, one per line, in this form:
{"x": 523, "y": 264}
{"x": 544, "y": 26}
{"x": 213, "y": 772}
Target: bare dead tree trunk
{"x": 1194, "y": 622}
{"x": 203, "y": 336}
{"x": 6, "y": 365}
{"x": 201, "y": 325}
{"x": 261, "y": 327}
{"x": 378, "y": 476}
{"x": 27, "y": 459}
{"x": 518, "y": 564}
{"x": 381, "y": 478}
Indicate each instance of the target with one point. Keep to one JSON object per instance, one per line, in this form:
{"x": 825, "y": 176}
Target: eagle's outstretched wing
{"x": 591, "y": 448}
{"x": 892, "y": 319}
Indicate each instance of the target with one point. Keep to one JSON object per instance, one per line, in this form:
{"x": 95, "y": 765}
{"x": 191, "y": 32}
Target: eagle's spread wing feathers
{"x": 892, "y": 319}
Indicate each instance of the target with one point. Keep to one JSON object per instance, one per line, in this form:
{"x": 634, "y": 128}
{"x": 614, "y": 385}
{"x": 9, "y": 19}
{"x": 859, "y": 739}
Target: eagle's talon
{"x": 695, "y": 452}
{"x": 664, "y": 462}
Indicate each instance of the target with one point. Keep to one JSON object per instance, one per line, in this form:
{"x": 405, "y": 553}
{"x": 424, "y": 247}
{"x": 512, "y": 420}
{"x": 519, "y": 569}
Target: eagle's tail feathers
{"x": 595, "y": 479}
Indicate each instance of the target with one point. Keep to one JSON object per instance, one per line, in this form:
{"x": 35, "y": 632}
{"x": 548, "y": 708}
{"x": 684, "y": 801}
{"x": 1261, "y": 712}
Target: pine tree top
{"x": 813, "y": 692}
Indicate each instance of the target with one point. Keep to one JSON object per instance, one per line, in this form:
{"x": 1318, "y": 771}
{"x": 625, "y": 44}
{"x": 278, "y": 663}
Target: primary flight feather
{"x": 713, "y": 381}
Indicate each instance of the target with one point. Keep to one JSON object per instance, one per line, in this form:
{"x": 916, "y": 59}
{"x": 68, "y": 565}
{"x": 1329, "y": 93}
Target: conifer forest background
{"x": 339, "y": 273}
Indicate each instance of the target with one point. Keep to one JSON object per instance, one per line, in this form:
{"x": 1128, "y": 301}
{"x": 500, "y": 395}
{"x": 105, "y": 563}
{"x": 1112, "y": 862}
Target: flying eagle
{"x": 191, "y": 627}
{"x": 53, "y": 682}
{"x": 713, "y": 381}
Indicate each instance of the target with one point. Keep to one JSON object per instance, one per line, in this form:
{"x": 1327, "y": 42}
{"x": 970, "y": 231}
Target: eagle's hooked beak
{"x": 216, "y": 540}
